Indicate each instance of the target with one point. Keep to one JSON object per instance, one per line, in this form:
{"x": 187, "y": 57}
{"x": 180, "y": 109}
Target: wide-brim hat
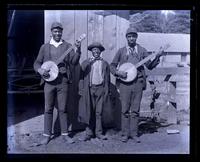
{"x": 131, "y": 30}
{"x": 56, "y": 25}
{"x": 97, "y": 45}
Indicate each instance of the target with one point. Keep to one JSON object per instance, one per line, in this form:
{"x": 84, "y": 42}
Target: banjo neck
{"x": 145, "y": 60}
{"x": 151, "y": 56}
{"x": 61, "y": 58}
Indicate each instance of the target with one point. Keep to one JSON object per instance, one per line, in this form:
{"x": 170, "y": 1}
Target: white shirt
{"x": 97, "y": 73}
{"x": 54, "y": 43}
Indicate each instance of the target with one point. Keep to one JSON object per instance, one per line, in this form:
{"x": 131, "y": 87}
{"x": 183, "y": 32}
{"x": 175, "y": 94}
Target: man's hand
{"x": 78, "y": 47}
{"x": 121, "y": 74}
{"x": 44, "y": 73}
{"x": 161, "y": 53}
{"x": 92, "y": 60}
{"x": 78, "y": 44}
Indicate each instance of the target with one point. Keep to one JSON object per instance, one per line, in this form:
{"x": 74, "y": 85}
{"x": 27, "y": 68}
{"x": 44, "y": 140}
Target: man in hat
{"x": 94, "y": 90}
{"x": 56, "y": 92}
{"x": 131, "y": 92}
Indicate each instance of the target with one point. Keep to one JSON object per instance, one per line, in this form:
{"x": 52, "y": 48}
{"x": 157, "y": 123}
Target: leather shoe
{"x": 136, "y": 139}
{"x": 85, "y": 138}
{"x": 102, "y": 137}
{"x": 68, "y": 139}
{"x": 45, "y": 140}
{"x": 124, "y": 138}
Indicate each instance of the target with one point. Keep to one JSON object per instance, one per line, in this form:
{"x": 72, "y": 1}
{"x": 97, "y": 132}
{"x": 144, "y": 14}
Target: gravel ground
{"x": 152, "y": 142}
{"x": 25, "y": 127}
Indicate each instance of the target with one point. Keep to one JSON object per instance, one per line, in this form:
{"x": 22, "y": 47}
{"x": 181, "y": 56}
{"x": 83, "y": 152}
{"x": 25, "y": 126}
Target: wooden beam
{"x": 169, "y": 71}
{"x": 25, "y": 92}
{"x": 81, "y": 18}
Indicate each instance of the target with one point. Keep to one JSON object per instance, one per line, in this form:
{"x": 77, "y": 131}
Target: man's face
{"x": 131, "y": 38}
{"x": 96, "y": 52}
{"x": 56, "y": 34}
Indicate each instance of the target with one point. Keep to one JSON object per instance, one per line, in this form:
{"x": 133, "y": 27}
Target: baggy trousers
{"x": 130, "y": 96}
{"x": 95, "y": 124}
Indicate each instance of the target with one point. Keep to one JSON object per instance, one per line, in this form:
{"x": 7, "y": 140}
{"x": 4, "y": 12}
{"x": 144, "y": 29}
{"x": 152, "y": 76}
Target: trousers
{"x": 95, "y": 124}
{"x": 130, "y": 96}
{"x": 55, "y": 95}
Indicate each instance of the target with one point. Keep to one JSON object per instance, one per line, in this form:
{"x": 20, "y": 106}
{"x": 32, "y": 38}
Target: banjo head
{"x": 52, "y": 68}
{"x": 131, "y": 71}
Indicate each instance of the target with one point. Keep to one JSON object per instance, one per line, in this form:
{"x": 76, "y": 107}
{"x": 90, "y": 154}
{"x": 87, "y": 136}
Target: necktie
{"x": 132, "y": 51}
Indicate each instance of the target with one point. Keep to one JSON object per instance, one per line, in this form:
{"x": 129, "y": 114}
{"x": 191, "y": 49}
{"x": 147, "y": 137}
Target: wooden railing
{"x": 177, "y": 80}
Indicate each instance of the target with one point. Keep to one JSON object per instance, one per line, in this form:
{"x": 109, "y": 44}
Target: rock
{"x": 173, "y": 131}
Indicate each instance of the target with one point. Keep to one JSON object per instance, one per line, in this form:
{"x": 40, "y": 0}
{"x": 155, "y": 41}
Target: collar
{"x": 135, "y": 49}
{"x": 92, "y": 58}
{"x": 54, "y": 43}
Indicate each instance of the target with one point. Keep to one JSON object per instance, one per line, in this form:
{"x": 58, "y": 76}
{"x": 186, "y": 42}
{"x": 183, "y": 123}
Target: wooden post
{"x": 182, "y": 92}
{"x": 171, "y": 104}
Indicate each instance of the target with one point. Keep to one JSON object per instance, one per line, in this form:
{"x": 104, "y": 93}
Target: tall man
{"x": 131, "y": 93}
{"x": 56, "y": 90}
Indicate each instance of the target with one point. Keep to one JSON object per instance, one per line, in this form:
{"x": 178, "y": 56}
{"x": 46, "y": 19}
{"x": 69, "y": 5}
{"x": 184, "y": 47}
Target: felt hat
{"x": 96, "y": 44}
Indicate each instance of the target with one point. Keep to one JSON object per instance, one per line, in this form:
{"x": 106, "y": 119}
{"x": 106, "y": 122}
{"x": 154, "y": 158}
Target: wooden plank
{"x": 25, "y": 92}
{"x": 67, "y": 20}
{"x": 110, "y": 37}
{"x": 178, "y": 42}
{"x": 80, "y": 17}
{"x": 95, "y": 28}
{"x": 91, "y": 28}
{"x": 167, "y": 71}
{"x": 49, "y": 17}
{"x": 110, "y": 40}
{"x": 80, "y": 28}
{"x": 183, "y": 101}
{"x": 122, "y": 26}
{"x": 98, "y": 27}
{"x": 172, "y": 113}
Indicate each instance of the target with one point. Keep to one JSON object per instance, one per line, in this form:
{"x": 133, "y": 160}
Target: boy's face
{"x": 96, "y": 52}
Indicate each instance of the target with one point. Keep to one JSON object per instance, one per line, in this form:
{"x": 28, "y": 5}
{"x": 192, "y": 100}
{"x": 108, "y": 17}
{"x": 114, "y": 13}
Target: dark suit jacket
{"x": 85, "y": 101}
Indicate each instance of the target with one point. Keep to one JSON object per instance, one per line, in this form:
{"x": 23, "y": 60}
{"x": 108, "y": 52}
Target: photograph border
{"x": 178, "y": 5}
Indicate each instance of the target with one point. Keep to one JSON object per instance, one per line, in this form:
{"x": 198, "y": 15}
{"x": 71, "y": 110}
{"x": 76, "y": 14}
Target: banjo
{"x": 131, "y": 69}
{"x": 52, "y": 67}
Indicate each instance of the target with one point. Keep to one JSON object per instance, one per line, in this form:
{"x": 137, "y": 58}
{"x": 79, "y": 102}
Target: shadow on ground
{"x": 150, "y": 125}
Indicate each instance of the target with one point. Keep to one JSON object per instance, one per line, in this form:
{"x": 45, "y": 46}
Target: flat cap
{"x": 131, "y": 30}
{"x": 96, "y": 44}
{"x": 56, "y": 25}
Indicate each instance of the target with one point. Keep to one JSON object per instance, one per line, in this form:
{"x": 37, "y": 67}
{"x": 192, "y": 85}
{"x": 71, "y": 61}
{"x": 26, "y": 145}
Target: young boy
{"x": 94, "y": 90}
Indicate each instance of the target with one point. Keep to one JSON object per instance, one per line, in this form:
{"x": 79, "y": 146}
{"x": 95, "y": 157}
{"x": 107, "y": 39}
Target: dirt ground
{"x": 154, "y": 140}
{"x": 25, "y": 128}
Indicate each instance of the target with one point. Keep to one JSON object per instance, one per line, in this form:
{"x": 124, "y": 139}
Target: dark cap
{"x": 96, "y": 44}
{"x": 56, "y": 25}
{"x": 131, "y": 30}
